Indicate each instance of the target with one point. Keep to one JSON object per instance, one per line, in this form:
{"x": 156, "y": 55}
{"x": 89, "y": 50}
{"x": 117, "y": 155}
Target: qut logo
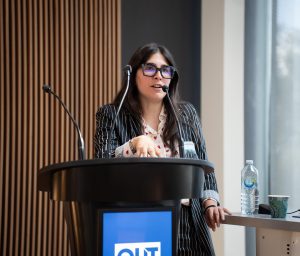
{"x": 138, "y": 249}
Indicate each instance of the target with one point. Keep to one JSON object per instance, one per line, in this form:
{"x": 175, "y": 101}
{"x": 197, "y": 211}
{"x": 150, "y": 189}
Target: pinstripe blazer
{"x": 126, "y": 128}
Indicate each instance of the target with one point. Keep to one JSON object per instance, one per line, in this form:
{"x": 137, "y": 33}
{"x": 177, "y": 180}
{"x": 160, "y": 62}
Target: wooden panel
{"x": 75, "y": 47}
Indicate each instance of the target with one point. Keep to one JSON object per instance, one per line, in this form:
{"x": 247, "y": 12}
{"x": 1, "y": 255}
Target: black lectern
{"x": 90, "y": 187}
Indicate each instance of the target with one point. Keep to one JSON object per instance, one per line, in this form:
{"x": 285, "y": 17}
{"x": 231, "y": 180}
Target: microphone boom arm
{"x": 128, "y": 71}
{"x": 81, "y": 149}
{"x": 181, "y": 142}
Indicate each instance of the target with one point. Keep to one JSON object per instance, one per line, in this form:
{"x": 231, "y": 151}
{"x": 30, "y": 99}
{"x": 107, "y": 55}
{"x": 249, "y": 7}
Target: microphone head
{"x": 127, "y": 69}
{"x": 165, "y": 88}
{"x": 46, "y": 88}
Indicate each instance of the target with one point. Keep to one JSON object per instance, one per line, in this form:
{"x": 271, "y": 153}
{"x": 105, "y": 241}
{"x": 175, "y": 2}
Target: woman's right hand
{"x": 145, "y": 147}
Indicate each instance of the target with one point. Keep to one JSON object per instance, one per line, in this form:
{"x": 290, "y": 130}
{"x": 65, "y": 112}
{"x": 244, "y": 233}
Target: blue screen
{"x": 137, "y": 233}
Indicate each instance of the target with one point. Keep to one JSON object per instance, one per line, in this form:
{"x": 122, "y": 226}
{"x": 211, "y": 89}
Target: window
{"x": 272, "y": 98}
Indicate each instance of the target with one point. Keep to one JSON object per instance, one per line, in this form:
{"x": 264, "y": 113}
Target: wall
{"x": 173, "y": 23}
{"x": 75, "y": 47}
{"x": 222, "y": 105}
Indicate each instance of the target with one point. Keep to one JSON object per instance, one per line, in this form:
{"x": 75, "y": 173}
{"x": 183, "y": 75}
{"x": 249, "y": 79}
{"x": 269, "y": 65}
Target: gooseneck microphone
{"x": 127, "y": 69}
{"x": 81, "y": 150}
{"x": 165, "y": 88}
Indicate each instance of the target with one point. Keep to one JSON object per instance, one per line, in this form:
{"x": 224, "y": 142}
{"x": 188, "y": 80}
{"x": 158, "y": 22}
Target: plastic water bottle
{"x": 249, "y": 189}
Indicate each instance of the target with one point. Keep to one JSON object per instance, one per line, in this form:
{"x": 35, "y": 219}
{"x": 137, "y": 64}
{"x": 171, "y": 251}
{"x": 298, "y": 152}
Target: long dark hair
{"x": 132, "y": 103}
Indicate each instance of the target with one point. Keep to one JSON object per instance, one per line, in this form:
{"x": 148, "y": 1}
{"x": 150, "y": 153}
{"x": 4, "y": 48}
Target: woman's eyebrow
{"x": 150, "y": 63}
{"x": 153, "y": 64}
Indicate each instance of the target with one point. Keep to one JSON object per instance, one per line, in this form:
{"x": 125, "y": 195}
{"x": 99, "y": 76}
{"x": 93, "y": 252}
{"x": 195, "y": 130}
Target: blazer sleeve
{"x": 210, "y": 184}
{"x": 104, "y": 120}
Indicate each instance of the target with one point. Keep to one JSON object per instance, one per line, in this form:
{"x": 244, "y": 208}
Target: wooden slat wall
{"x": 74, "y": 45}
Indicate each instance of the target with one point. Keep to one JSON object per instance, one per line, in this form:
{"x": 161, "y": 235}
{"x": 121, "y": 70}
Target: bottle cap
{"x": 249, "y": 161}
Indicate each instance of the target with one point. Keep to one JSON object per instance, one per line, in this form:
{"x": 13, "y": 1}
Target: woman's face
{"x": 150, "y": 87}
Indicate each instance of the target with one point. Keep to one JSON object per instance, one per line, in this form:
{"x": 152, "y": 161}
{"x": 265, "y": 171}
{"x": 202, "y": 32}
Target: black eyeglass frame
{"x": 159, "y": 69}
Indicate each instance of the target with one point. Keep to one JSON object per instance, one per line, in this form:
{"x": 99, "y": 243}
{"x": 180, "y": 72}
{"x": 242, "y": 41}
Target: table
{"x": 274, "y": 237}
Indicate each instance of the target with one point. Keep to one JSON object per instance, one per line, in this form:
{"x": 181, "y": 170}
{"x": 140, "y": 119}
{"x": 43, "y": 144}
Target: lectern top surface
{"x": 206, "y": 165}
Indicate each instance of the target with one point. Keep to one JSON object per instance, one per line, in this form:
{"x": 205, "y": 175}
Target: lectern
{"x": 123, "y": 206}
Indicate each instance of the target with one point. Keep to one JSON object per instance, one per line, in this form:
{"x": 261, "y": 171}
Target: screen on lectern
{"x": 137, "y": 233}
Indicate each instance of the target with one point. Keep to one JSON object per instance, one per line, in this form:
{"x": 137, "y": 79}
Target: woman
{"x": 146, "y": 127}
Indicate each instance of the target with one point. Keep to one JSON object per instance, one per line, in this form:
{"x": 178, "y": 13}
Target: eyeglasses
{"x": 165, "y": 71}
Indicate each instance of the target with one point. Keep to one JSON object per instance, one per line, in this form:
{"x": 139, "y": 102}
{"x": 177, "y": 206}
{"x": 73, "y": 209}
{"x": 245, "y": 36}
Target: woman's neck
{"x": 150, "y": 112}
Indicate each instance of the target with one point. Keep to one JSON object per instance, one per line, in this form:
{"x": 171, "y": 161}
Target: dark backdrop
{"x": 173, "y": 23}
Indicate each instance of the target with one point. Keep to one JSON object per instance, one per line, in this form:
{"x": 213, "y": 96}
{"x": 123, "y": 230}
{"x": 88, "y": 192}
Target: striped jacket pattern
{"x": 194, "y": 237}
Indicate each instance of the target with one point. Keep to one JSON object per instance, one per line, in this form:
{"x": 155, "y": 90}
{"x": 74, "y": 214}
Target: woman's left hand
{"x": 215, "y": 215}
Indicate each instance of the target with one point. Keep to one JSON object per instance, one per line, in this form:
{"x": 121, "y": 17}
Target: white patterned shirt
{"x": 156, "y": 136}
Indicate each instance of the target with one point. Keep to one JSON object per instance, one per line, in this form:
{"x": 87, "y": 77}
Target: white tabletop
{"x": 264, "y": 221}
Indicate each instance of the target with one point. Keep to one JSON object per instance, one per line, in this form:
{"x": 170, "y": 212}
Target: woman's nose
{"x": 158, "y": 75}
